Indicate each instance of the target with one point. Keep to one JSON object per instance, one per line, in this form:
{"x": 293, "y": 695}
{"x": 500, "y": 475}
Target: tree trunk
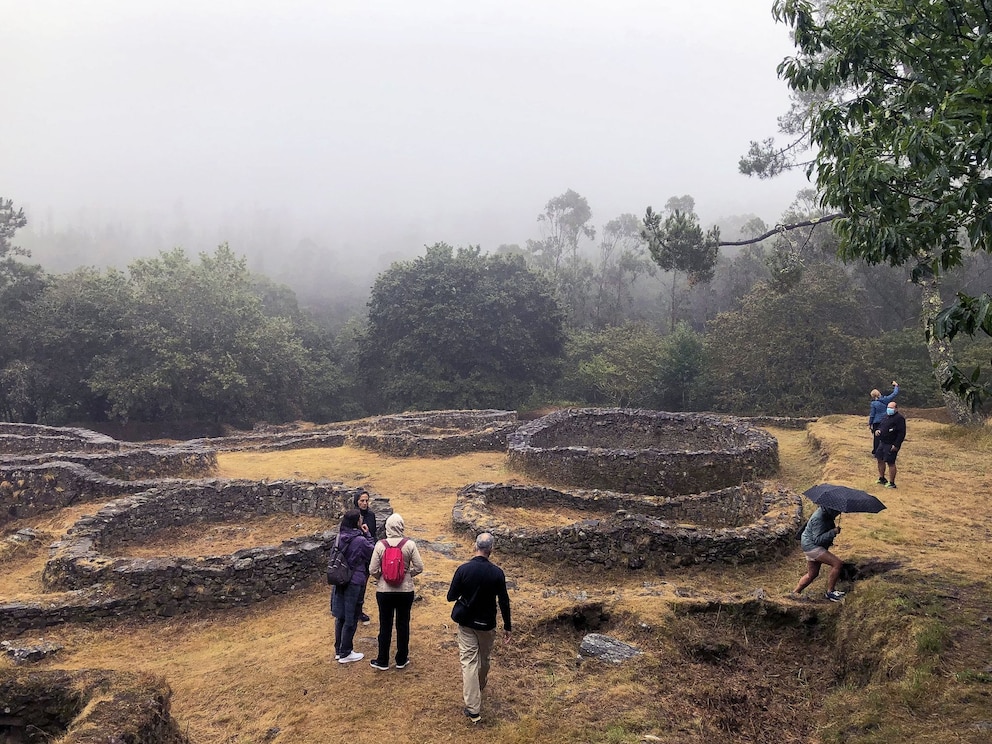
{"x": 942, "y": 355}
{"x": 675, "y": 276}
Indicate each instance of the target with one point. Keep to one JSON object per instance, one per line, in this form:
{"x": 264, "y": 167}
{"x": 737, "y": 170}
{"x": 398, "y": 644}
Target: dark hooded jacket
{"x": 357, "y": 548}
{"x": 820, "y": 529}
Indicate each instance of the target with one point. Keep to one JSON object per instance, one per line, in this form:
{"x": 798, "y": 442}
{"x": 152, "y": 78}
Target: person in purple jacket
{"x": 357, "y": 544}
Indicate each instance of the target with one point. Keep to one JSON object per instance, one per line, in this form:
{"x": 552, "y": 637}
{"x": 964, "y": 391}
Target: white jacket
{"x": 411, "y": 557}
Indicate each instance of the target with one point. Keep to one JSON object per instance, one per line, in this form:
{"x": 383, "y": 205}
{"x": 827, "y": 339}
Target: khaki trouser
{"x": 474, "y": 649}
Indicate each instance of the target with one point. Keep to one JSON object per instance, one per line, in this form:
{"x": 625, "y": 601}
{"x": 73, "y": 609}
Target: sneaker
{"x": 366, "y": 619}
{"x": 353, "y": 656}
{"x": 881, "y": 481}
{"x": 404, "y": 665}
{"x": 835, "y": 596}
{"x": 376, "y": 665}
{"x": 473, "y": 717}
{"x": 890, "y": 484}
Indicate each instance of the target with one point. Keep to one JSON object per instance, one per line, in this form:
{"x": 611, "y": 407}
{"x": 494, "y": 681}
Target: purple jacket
{"x": 358, "y": 550}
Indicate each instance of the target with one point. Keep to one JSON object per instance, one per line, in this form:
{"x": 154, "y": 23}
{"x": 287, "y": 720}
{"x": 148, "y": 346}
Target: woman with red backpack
{"x": 395, "y": 561}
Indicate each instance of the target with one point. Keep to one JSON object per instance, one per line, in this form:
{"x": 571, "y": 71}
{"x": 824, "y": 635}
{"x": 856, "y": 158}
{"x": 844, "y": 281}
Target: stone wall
{"x": 781, "y": 422}
{"x": 130, "y": 464}
{"x": 31, "y": 484}
{"x": 416, "y": 434}
{"x": 759, "y": 521}
{"x": 83, "y": 557}
{"x": 637, "y": 451}
{"x": 410, "y": 444}
{"x": 35, "y": 439}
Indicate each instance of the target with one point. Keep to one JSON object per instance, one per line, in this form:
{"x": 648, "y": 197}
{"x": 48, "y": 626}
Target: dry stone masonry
{"x": 170, "y": 585}
{"x": 677, "y": 489}
{"x": 638, "y": 451}
{"x": 739, "y": 524}
{"x": 655, "y": 490}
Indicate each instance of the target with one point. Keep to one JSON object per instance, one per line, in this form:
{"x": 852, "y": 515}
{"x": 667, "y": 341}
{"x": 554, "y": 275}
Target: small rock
{"x": 29, "y": 654}
{"x": 608, "y": 649}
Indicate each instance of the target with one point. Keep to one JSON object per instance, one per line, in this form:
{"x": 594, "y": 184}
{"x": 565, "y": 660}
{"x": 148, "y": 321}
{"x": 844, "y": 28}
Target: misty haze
{"x": 324, "y": 140}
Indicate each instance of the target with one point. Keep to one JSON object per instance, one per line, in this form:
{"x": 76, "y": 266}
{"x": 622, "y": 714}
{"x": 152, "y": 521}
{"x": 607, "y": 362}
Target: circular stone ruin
{"x": 169, "y": 585}
{"x": 733, "y": 525}
{"x": 638, "y": 451}
{"x": 657, "y": 489}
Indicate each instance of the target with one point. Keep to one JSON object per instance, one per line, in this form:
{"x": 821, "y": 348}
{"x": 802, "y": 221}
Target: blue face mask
{"x": 890, "y": 411}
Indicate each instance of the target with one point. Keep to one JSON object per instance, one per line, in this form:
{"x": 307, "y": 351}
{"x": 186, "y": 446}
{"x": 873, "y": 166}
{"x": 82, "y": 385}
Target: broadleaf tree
{"x": 898, "y": 117}
{"x": 197, "y": 344}
{"x": 461, "y": 329}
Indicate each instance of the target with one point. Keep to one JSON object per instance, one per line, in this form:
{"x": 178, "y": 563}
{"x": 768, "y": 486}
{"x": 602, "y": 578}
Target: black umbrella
{"x": 843, "y": 499}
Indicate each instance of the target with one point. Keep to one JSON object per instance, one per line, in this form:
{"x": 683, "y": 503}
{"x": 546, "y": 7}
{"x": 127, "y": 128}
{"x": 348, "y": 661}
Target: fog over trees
{"x": 325, "y": 211}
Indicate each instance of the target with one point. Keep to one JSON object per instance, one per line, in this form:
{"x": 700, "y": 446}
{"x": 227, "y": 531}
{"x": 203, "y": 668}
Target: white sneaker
{"x": 353, "y": 656}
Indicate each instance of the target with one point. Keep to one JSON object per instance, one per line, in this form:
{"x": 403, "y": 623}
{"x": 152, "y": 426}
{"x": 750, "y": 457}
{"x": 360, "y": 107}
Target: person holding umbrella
{"x": 821, "y": 529}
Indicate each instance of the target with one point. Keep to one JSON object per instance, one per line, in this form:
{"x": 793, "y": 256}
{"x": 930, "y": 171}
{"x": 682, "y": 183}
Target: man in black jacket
{"x": 891, "y": 431}
{"x": 475, "y": 589}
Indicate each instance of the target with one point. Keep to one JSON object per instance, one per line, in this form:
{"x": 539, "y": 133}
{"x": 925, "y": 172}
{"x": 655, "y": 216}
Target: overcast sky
{"x": 423, "y": 121}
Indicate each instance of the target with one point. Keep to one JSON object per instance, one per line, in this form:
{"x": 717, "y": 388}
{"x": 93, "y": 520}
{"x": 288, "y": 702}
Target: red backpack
{"x": 393, "y": 567}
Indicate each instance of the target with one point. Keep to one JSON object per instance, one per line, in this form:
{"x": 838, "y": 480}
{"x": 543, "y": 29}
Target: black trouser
{"x": 390, "y": 604}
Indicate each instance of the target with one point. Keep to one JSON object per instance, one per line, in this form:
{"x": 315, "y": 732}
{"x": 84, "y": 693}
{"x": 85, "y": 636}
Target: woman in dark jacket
{"x": 368, "y": 518}
{"x": 357, "y": 544}
{"x": 818, "y": 536}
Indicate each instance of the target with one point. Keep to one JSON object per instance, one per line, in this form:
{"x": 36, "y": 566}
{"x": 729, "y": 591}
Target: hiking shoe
{"x": 366, "y": 619}
{"x": 473, "y": 717}
{"x": 353, "y": 656}
{"x": 834, "y": 596}
{"x": 377, "y": 665}
{"x": 404, "y": 665}
{"x": 890, "y": 484}
{"x": 881, "y": 481}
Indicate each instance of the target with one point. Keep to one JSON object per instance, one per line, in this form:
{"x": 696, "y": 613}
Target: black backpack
{"x": 338, "y": 570}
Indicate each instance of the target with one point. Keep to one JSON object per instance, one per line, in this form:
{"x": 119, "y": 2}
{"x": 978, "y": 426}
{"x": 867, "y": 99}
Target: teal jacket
{"x": 820, "y": 530}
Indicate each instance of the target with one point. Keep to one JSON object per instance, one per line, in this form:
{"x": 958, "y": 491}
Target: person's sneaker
{"x": 890, "y": 484}
{"x": 473, "y": 717}
{"x": 834, "y": 596}
{"x": 353, "y": 656}
{"x": 881, "y": 481}
{"x": 376, "y": 665}
{"x": 366, "y": 619}
{"x": 404, "y": 665}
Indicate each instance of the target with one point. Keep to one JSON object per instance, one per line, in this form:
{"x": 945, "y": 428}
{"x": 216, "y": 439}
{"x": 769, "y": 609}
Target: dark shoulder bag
{"x": 461, "y": 613}
{"x": 338, "y": 570}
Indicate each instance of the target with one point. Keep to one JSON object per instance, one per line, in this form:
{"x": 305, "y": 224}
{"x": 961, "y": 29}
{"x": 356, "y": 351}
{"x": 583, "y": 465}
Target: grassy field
{"x": 906, "y": 658}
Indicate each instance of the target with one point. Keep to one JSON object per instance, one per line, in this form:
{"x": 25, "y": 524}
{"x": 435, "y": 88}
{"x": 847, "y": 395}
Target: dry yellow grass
{"x": 267, "y": 673}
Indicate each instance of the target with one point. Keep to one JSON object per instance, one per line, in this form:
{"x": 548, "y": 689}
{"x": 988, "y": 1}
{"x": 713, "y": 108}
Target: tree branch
{"x": 785, "y": 228}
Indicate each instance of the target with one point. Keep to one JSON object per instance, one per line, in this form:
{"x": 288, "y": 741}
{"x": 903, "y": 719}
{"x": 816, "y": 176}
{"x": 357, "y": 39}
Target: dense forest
{"x": 645, "y": 312}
